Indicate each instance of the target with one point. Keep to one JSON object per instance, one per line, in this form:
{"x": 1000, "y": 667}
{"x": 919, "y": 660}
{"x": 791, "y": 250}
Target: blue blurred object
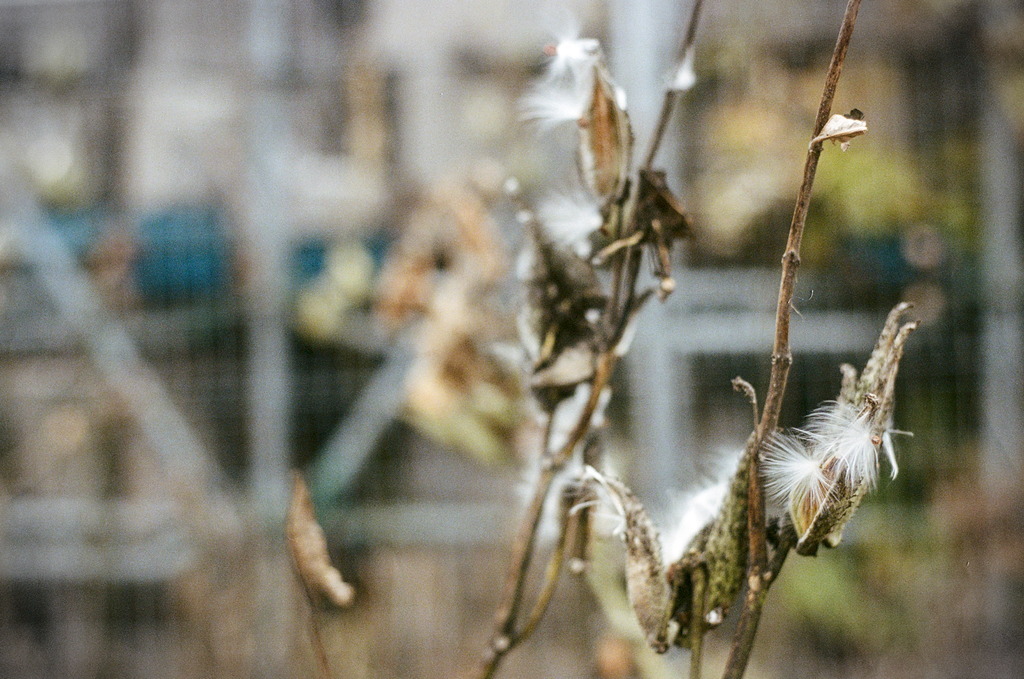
{"x": 183, "y": 254}
{"x": 878, "y": 263}
{"x": 79, "y": 229}
{"x": 308, "y": 260}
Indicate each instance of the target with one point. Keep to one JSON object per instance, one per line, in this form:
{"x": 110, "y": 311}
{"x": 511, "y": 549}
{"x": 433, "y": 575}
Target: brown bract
{"x": 308, "y": 547}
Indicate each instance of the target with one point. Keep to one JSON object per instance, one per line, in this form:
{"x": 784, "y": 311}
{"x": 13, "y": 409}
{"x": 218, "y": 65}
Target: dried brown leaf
{"x": 308, "y": 547}
{"x": 841, "y": 129}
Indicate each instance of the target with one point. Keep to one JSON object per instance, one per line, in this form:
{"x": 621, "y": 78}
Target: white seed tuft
{"x": 839, "y": 432}
{"x": 551, "y": 103}
{"x": 685, "y": 77}
{"x": 693, "y": 512}
{"x": 790, "y": 470}
{"x": 572, "y": 57}
{"x": 570, "y": 220}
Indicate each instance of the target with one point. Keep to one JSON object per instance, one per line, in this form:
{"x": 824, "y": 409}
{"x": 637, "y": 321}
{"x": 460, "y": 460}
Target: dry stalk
{"x": 760, "y": 573}
{"x": 622, "y": 306}
{"x": 671, "y": 94}
{"x": 320, "y": 581}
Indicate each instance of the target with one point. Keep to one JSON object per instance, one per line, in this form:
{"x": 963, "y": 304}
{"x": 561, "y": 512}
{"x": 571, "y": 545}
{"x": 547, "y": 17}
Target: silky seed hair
{"x": 570, "y": 219}
{"x": 840, "y": 432}
{"x": 789, "y": 469}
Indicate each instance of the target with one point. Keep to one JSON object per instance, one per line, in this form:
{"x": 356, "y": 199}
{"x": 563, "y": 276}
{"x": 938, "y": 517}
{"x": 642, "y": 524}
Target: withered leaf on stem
{"x": 656, "y": 201}
{"x": 308, "y": 547}
{"x": 663, "y": 219}
{"x": 841, "y": 129}
{"x": 606, "y": 139}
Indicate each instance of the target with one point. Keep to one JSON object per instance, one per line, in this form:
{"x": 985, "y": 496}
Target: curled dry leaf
{"x": 663, "y": 220}
{"x": 841, "y": 129}
{"x": 308, "y": 548}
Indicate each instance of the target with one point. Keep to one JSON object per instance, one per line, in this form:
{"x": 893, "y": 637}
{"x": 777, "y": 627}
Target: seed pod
{"x": 852, "y": 472}
{"x": 646, "y": 584}
{"x": 719, "y": 551}
{"x": 562, "y": 292}
{"x": 606, "y": 138}
{"x": 725, "y": 552}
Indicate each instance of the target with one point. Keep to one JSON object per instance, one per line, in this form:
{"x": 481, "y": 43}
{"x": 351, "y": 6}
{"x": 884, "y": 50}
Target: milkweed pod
{"x": 606, "y": 138}
{"x": 646, "y": 583}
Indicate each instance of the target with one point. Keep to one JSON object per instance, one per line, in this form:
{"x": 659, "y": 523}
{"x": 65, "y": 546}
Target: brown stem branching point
{"x": 741, "y": 385}
{"x": 760, "y": 574}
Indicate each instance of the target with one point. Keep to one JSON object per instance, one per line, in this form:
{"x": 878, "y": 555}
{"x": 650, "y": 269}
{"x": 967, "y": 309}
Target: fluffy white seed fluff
{"x": 693, "y": 512}
{"x": 791, "y": 471}
{"x": 572, "y": 55}
{"x": 890, "y": 450}
{"x": 551, "y": 103}
{"x": 839, "y": 431}
{"x": 611, "y": 511}
{"x": 570, "y": 220}
{"x": 685, "y": 77}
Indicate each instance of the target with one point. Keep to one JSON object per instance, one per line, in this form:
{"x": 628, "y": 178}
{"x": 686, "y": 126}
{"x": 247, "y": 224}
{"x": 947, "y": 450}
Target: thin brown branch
{"x": 741, "y": 385}
{"x": 602, "y": 374}
{"x": 316, "y": 638}
{"x": 506, "y": 637}
{"x": 523, "y": 550}
{"x": 759, "y": 575}
{"x": 753, "y": 604}
{"x": 510, "y": 637}
{"x": 551, "y": 574}
{"x": 668, "y": 102}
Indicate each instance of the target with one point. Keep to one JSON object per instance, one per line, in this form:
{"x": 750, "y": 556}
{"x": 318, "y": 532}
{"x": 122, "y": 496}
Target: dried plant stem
{"x": 551, "y": 574}
{"x": 316, "y": 638}
{"x": 697, "y": 623}
{"x": 746, "y": 629}
{"x": 507, "y": 636}
{"x": 623, "y": 302}
{"x": 668, "y": 102}
{"x": 759, "y": 574}
{"x": 741, "y": 385}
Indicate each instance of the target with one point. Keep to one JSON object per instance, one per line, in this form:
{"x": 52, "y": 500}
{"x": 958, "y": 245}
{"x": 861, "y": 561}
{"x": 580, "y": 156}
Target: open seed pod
{"x": 646, "y": 584}
{"x": 719, "y": 553}
{"x": 556, "y": 323}
{"x": 606, "y": 138}
{"x": 871, "y": 396}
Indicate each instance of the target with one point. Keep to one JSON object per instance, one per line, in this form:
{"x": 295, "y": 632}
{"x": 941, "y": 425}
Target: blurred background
{"x": 238, "y": 238}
